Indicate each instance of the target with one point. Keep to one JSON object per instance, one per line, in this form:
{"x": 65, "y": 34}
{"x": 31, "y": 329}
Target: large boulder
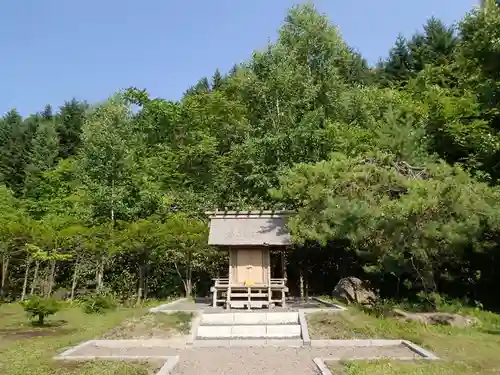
{"x": 437, "y": 318}
{"x": 353, "y": 290}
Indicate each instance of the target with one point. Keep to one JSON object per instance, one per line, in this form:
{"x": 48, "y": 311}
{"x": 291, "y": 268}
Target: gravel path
{"x": 270, "y": 361}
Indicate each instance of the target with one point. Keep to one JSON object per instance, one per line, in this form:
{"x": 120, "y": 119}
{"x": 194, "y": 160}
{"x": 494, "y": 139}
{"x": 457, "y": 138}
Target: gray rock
{"x": 438, "y": 318}
{"x": 353, "y": 290}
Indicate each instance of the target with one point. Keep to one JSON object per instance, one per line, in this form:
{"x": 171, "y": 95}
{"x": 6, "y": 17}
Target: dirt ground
{"x": 149, "y": 326}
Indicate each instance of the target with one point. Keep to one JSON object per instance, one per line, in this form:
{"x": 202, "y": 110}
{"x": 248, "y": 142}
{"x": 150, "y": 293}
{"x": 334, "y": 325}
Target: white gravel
{"x": 271, "y": 361}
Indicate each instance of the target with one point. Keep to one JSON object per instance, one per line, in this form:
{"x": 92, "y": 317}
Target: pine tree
{"x": 217, "y": 80}
{"x": 202, "y": 86}
{"x": 43, "y": 155}
{"x": 398, "y": 67}
{"x": 233, "y": 70}
{"x": 12, "y": 153}
{"x": 47, "y": 112}
{"x": 69, "y": 127}
{"x": 434, "y": 46}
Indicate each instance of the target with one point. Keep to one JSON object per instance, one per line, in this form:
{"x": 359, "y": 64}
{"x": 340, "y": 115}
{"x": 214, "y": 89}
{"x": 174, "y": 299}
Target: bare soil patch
{"x": 27, "y": 333}
{"x": 158, "y": 326}
{"x": 339, "y": 325}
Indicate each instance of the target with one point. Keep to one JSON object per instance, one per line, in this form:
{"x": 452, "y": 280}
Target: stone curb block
{"x": 68, "y": 352}
{"x": 133, "y": 343}
{"x": 113, "y": 357}
{"x": 165, "y": 305}
{"x": 328, "y": 303}
{"x": 323, "y": 369}
{"x": 353, "y": 343}
{"x": 168, "y": 366}
{"x": 419, "y": 350}
{"x": 193, "y": 333}
{"x": 304, "y": 329}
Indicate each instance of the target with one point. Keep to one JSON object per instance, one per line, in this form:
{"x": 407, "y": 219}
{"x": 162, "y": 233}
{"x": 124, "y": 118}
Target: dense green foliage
{"x": 392, "y": 170}
{"x": 97, "y": 303}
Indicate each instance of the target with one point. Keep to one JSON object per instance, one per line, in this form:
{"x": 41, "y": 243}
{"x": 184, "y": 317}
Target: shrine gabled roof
{"x": 251, "y": 228}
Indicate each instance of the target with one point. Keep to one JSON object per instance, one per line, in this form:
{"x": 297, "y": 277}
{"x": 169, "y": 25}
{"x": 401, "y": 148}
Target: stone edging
{"x": 193, "y": 332}
{"x": 324, "y": 370}
{"x": 419, "y": 350}
{"x": 168, "y": 366}
{"x": 69, "y": 351}
{"x": 165, "y": 369}
{"x": 165, "y": 305}
{"x": 329, "y": 304}
{"x": 322, "y": 367}
{"x": 353, "y": 343}
{"x": 425, "y": 354}
{"x": 304, "y": 329}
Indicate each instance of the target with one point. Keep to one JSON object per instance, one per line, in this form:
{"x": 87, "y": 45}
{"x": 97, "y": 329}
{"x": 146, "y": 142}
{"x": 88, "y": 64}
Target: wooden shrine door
{"x": 250, "y": 266}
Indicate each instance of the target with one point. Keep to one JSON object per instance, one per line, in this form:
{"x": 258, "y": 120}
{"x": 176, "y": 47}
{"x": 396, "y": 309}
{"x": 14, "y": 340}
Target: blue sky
{"x": 54, "y": 50}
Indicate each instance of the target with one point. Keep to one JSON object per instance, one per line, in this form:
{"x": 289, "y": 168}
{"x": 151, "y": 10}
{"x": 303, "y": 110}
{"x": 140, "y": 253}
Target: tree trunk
{"x": 146, "y": 275}
{"x": 301, "y": 282}
{"x": 100, "y": 274}
{"x": 189, "y": 276}
{"x": 25, "y": 282}
{"x": 52, "y": 276}
{"x": 306, "y": 287}
{"x": 186, "y": 280}
{"x": 74, "y": 282}
{"x": 5, "y": 269}
{"x": 140, "y": 287}
{"x": 188, "y": 287}
{"x": 35, "y": 278}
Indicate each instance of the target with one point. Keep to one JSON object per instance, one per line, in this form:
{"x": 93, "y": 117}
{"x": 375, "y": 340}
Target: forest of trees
{"x": 393, "y": 170}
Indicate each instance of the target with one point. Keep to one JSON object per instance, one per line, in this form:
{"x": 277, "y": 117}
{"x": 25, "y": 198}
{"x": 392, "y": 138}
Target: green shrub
{"x": 98, "y": 303}
{"x": 40, "y": 308}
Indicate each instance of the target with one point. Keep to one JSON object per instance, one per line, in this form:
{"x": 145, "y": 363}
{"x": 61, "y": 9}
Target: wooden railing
{"x": 224, "y": 283}
{"x": 225, "y": 292}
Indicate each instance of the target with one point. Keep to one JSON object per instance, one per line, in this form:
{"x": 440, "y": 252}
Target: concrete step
{"x": 250, "y": 318}
{"x": 247, "y": 324}
{"x": 225, "y": 343}
{"x": 268, "y": 331}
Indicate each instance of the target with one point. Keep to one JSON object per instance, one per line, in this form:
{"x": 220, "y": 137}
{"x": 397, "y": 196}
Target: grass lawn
{"x": 397, "y": 367}
{"x": 464, "y": 351}
{"x": 28, "y": 350}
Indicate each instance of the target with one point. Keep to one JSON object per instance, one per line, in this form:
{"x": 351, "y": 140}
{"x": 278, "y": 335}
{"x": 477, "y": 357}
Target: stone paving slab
{"x": 273, "y": 360}
{"x": 203, "y": 304}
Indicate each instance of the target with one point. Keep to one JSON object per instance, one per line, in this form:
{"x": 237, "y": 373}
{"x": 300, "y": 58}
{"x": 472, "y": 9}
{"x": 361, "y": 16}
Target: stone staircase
{"x": 249, "y": 329}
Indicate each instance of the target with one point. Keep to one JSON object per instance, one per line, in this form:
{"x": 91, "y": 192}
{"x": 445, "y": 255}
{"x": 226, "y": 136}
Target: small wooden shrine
{"x": 256, "y": 276}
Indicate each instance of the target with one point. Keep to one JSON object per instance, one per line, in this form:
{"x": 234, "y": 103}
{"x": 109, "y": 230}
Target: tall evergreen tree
{"x": 217, "y": 80}
{"x": 43, "y": 155}
{"x": 13, "y": 155}
{"x": 399, "y": 66}
{"x": 47, "y": 113}
{"x": 434, "y": 46}
{"x": 69, "y": 127}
